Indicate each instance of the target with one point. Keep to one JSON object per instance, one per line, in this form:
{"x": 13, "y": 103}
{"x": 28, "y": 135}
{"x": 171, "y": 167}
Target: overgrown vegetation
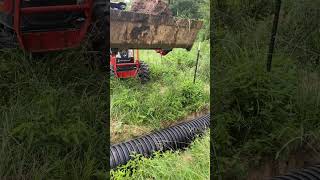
{"x": 169, "y": 96}
{"x": 137, "y": 109}
{"x": 262, "y": 115}
{"x": 53, "y": 112}
{"x": 192, "y": 163}
{"x": 52, "y": 117}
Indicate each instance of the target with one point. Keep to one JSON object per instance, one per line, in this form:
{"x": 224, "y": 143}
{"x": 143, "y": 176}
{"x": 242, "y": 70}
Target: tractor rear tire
{"x": 144, "y": 72}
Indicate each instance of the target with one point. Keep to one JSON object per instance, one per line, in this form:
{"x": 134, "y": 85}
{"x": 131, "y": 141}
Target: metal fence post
{"x": 273, "y": 34}
{"x": 197, "y": 62}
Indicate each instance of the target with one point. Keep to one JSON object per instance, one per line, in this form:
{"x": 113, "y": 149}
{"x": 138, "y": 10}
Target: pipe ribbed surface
{"x": 175, "y": 137}
{"x": 310, "y": 173}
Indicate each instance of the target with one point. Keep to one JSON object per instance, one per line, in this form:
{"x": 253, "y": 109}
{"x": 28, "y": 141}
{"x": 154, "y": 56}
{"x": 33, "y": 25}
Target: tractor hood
{"x": 146, "y": 31}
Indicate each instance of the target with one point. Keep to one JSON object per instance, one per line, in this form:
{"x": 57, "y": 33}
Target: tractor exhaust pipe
{"x": 176, "y": 137}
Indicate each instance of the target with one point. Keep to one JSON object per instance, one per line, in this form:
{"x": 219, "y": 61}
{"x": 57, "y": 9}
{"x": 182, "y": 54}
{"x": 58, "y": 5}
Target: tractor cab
{"x": 125, "y": 63}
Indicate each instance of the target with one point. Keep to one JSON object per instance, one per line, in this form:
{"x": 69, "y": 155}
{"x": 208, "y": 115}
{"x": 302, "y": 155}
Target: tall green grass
{"x": 52, "y": 115}
{"x": 260, "y": 115}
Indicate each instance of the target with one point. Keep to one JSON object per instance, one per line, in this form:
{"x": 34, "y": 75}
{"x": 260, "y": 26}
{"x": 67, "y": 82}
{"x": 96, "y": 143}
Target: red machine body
{"x": 45, "y": 40}
{"x": 127, "y": 64}
{"x": 53, "y": 25}
{"x": 125, "y": 68}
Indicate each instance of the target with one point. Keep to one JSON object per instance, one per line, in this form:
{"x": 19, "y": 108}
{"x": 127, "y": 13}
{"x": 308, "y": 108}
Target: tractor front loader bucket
{"x": 145, "y": 31}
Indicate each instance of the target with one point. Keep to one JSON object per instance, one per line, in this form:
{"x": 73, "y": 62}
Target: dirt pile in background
{"x": 154, "y": 7}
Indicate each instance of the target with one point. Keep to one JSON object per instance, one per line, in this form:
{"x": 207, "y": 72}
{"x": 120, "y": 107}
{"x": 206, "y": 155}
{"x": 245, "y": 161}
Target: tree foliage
{"x": 194, "y": 10}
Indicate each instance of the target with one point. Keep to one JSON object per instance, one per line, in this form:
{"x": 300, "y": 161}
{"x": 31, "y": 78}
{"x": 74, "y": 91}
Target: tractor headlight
{"x": 118, "y": 55}
{"x": 130, "y": 53}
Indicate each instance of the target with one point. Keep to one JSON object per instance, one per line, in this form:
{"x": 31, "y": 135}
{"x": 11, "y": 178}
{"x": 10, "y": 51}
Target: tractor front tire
{"x": 144, "y": 72}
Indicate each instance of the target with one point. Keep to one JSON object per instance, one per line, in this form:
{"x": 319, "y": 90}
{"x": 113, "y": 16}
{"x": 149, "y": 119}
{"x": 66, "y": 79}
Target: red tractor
{"x": 48, "y": 25}
{"x": 126, "y": 63}
{"x": 40, "y": 26}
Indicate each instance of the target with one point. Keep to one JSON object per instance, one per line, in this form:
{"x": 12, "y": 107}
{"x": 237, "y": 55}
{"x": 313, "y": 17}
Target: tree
{"x": 186, "y": 8}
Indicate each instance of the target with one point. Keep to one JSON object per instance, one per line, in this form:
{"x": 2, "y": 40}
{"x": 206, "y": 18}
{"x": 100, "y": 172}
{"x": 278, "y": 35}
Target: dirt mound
{"x": 154, "y": 7}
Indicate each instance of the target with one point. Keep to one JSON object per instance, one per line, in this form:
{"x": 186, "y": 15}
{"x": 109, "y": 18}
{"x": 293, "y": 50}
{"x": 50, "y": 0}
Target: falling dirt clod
{"x": 154, "y": 7}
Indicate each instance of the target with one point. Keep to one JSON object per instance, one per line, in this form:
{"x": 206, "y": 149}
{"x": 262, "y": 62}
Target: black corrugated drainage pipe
{"x": 176, "y": 137}
{"x": 310, "y": 173}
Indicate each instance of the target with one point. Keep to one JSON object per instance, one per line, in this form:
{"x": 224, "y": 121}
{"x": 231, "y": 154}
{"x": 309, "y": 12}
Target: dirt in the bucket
{"x": 154, "y": 7}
